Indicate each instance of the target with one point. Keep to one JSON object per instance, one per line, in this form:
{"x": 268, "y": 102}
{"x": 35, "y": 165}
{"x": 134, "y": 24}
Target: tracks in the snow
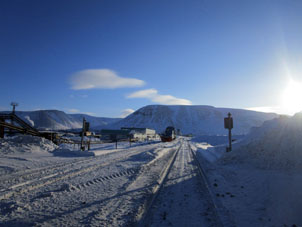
{"x": 97, "y": 180}
{"x": 27, "y": 175}
{"x": 42, "y": 177}
{"x": 146, "y": 215}
{"x": 208, "y": 190}
{"x": 143, "y": 215}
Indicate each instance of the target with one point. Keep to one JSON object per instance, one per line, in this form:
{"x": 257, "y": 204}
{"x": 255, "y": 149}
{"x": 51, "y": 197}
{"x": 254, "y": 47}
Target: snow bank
{"x": 277, "y": 144}
{"x": 25, "y": 143}
{"x": 215, "y": 140}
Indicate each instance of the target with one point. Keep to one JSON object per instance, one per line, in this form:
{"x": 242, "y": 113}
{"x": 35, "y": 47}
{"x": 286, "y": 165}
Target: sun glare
{"x": 292, "y": 97}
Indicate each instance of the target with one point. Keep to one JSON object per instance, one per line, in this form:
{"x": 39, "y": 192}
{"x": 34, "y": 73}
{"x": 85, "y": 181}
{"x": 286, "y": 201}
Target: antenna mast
{"x": 14, "y": 104}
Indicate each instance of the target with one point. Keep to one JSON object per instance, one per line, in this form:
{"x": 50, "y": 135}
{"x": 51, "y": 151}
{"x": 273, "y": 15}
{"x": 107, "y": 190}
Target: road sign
{"x": 228, "y": 122}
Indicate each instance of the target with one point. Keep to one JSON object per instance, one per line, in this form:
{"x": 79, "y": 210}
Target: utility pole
{"x": 14, "y": 104}
{"x": 2, "y": 128}
{"x": 228, "y": 124}
{"x": 83, "y": 132}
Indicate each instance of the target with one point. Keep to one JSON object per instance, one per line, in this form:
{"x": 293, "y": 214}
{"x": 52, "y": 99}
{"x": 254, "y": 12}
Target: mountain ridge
{"x": 59, "y": 120}
{"x": 191, "y": 119}
{"x": 195, "y": 119}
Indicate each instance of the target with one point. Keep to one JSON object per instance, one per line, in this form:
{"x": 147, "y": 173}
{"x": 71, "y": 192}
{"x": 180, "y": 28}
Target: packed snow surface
{"x": 40, "y": 188}
{"x": 42, "y": 184}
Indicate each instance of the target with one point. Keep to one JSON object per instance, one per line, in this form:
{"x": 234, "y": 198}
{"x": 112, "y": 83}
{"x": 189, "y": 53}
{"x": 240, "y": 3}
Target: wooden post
{"x": 83, "y": 132}
{"x": 230, "y": 139}
{"x": 1, "y": 129}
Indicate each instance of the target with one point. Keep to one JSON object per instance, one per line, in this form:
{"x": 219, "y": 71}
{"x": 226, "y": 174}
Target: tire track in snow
{"x": 24, "y": 177}
{"x": 183, "y": 199}
{"x": 122, "y": 211}
{"x": 65, "y": 173}
{"x": 107, "y": 206}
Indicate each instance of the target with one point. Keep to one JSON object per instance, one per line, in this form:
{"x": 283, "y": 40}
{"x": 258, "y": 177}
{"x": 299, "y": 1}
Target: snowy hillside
{"x": 58, "y": 120}
{"x": 276, "y": 144}
{"x": 95, "y": 122}
{"x": 199, "y": 120}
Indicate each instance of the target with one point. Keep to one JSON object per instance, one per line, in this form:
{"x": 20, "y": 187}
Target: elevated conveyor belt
{"x": 22, "y": 126}
{"x": 19, "y": 129}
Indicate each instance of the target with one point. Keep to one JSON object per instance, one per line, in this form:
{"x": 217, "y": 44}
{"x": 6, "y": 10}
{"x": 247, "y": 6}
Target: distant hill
{"x": 198, "y": 120}
{"x": 59, "y": 120}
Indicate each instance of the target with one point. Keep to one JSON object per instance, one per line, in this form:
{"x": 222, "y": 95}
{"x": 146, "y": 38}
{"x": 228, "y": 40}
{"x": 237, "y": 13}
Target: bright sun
{"x": 292, "y": 97}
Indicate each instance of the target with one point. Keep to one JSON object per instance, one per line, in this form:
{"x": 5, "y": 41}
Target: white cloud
{"x": 101, "y": 78}
{"x": 126, "y": 112}
{"x": 147, "y": 93}
{"x": 152, "y": 94}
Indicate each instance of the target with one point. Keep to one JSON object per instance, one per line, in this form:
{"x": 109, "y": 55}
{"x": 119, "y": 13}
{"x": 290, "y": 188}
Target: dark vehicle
{"x": 168, "y": 135}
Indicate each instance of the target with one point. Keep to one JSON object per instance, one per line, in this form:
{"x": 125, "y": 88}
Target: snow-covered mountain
{"x": 198, "y": 120}
{"x": 58, "y": 120}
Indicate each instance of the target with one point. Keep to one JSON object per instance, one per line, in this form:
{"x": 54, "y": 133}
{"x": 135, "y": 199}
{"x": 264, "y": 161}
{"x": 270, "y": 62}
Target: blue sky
{"x": 111, "y": 57}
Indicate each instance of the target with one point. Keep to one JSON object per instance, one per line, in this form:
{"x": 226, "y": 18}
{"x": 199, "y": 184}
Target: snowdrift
{"x": 277, "y": 144}
{"x": 33, "y": 144}
{"x": 25, "y": 144}
{"x": 215, "y": 140}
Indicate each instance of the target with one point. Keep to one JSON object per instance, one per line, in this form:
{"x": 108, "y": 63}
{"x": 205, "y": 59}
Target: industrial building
{"x": 135, "y": 134}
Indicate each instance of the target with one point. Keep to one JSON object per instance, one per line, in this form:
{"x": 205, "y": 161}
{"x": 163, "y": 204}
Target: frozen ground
{"x": 260, "y": 181}
{"x": 153, "y": 184}
{"x": 38, "y": 188}
{"x": 256, "y": 197}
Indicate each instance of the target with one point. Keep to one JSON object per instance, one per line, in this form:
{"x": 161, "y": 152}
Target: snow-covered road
{"x": 107, "y": 189}
{"x": 156, "y": 184}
